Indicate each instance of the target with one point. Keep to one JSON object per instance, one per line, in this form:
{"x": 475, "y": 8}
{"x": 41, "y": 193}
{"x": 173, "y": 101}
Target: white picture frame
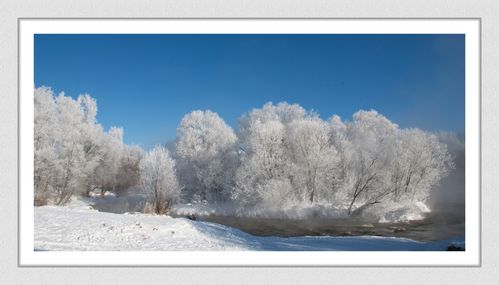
{"x": 469, "y": 27}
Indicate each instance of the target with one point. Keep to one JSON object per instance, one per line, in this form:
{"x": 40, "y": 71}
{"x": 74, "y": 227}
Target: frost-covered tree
{"x": 93, "y": 139}
{"x": 388, "y": 165}
{"x": 45, "y": 121}
{"x": 71, "y": 165}
{"x": 118, "y": 166}
{"x": 283, "y": 112}
{"x": 313, "y": 157}
{"x": 420, "y": 162}
{"x": 112, "y": 149}
{"x": 338, "y": 178}
{"x": 206, "y": 150}
{"x": 128, "y": 174}
{"x": 263, "y": 163}
{"x": 265, "y": 157}
{"x": 158, "y": 179}
{"x": 64, "y": 129}
{"x": 73, "y": 154}
{"x": 371, "y": 136}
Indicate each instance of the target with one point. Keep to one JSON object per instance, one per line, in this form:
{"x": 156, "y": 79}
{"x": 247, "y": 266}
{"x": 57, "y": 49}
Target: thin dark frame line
{"x": 479, "y": 19}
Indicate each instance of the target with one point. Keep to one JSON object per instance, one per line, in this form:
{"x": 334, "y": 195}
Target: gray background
{"x": 10, "y": 10}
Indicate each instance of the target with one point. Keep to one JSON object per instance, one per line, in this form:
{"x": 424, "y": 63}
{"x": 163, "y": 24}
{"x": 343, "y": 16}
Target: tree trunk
{"x": 351, "y": 205}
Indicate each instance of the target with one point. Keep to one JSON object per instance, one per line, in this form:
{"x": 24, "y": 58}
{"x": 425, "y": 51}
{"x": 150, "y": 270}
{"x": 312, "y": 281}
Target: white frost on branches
{"x": 282, "y": 156}
{"x": 73, "y": 154}
{"x": 158, "y": 179}
{"x": 206, "y": 150}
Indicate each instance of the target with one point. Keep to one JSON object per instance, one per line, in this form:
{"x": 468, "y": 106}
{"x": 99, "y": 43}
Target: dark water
{"x": 130, "y": 201}
{"x": 430, "y": 229}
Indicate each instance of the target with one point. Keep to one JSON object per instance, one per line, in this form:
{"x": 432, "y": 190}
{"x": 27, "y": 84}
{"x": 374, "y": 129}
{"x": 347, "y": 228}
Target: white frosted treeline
{"x": 283, "y": 156}
{"x": 287, "y": 156}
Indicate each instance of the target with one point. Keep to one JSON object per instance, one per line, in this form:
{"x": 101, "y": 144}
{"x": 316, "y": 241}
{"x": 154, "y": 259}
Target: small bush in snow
{"x": 158, "y": 180}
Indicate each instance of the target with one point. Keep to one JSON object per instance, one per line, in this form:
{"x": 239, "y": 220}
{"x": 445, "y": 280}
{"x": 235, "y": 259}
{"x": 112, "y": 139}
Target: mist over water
{"x": 447, "y": 201}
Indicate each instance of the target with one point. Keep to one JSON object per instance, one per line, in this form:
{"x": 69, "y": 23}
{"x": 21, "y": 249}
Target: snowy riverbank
{"x": 78, "y": 227}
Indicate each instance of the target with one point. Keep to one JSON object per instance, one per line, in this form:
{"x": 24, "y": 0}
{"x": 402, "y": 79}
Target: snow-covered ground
{"x": 79, "y": 227}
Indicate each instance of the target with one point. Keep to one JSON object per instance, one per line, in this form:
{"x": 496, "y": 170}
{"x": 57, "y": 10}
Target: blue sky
{"x": 147, "y": 83}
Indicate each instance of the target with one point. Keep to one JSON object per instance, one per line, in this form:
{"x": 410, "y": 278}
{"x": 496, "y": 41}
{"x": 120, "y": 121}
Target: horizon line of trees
{"x": 281, "y": 155}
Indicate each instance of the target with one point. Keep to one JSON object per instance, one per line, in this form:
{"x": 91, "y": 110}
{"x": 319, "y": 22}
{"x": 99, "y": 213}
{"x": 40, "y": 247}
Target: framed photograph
{"x": 249, "y": 142}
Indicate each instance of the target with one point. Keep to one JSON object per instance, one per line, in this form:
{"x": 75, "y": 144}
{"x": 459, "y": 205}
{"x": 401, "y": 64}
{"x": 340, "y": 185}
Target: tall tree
{"x": 73, "y": 155}
{"x": 313, "y": 156}
{"x": 206, "y": 148}
{"x": 264, "y": 175}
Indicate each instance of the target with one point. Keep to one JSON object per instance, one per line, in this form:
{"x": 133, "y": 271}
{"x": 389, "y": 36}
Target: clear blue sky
{"x": 147, "y": 83}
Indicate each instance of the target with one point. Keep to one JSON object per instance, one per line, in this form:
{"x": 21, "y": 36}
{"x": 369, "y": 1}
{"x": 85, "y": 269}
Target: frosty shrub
{"x": 158, "y": 180}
